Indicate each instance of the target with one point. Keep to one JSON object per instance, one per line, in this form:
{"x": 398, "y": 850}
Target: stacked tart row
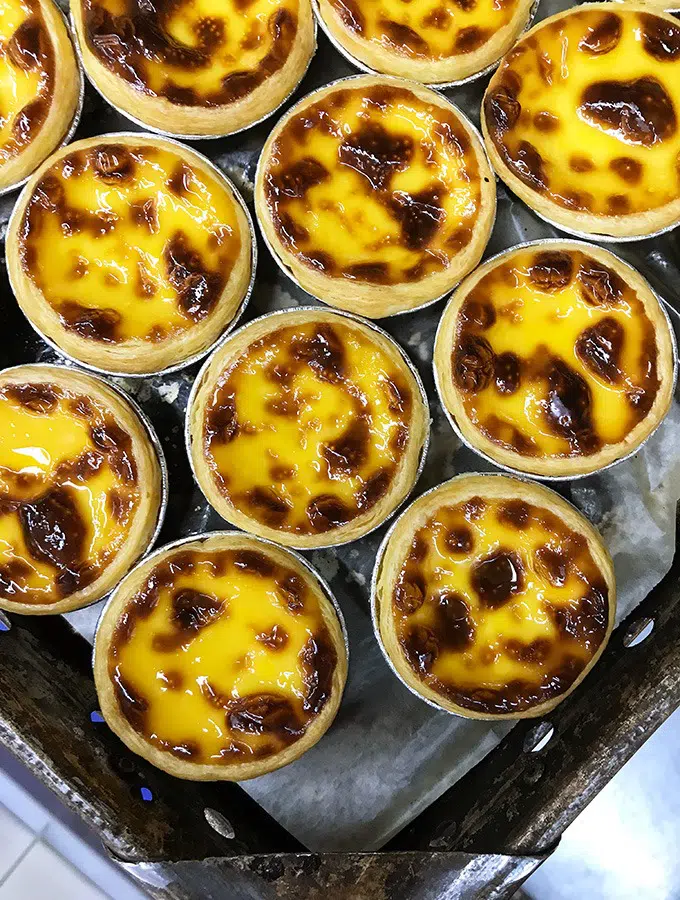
{"x": 578, "y": 120}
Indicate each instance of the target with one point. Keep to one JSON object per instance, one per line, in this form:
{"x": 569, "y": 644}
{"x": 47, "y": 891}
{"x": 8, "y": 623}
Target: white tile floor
{"x": 624, "y": 846}
{"x": 45, "y": 852}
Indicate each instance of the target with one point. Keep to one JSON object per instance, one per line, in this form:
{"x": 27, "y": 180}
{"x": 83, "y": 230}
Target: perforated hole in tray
{"x": 538, "y": 737}
{"x": 5, "y": 624}
{"x": 146, "y": 794}
{"x": 638, "y": 632}
{"x": 96, "y": 717}
{"x": 219, "y": 823}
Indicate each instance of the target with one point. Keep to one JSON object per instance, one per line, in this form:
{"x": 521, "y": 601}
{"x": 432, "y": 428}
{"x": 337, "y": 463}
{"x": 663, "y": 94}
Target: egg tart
{"x": 199, "y": 68}
{"x": 555, "y": 358}
{"x": 307, "y": 427}
{"x": 493, "y": 597}
{"x": 582, "y": 120}
{"x": 432, "y": 41}
{"x": 129, "y": 253}
{"x": 396, "y": 172}
{"x": 220, "y": 657}
{"x": 39, "y": 83}
{"x": 81, "y": 488}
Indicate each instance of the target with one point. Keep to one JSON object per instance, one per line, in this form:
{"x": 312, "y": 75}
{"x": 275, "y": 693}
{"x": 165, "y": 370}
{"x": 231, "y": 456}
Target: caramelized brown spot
{"x": 268, "y": 506}
{"x": 373, "y": 489}
{"x": 579, "y": 163}
{"x": 637, "y": 112}
{"x": 527, "y": 164}
{"x": 131, "y": 703}
{"x": 551, "y": 270}
{"x": 276, "y": 639}
{"x": 95, "y": 324}
{"x": 193, "y": 610}
{"x": 296, "y": 179}
{"x": 459, "y": 540}
{"x": 660, "y": 38}
{"x": 474, "y": 508}
{"x": 603, "y": 37}
{"x": 516, "y": 513}
{"x": 507, "y": 373}
{"x": 479, "y": 313}
{"x": 546, "y": 122}
{"x": 55, "y": 533}
{"x": 254, "y": 563}
{"x": 498, "y": 578}
{"x": 473, "y": 363}
{"x": 326, "y": 512}
{"x": 403, "y": 36}
{"x": 599, "y": 348}
{"x": 319, "y": 659}
{"x": 113, "y": 163}
{"x": 552, "y": 564}
{"x": 600, "y": 285}
{"x": 264, "y": 714}
{"x": 453, "y": 624}
{"x": 145, "y": 214}
{"x": 421, "y": 648}
{"x": 409, "y": 593}
{"x": 198, "y": 290}
{"x": 39, "y": 398}
{"x": 348, "y": 452}
{"x": 470, "y": 38}
{"x": 502, "y": 109}
{"x": 630, "y": 170}
{"x": 26, "y": 46}
{"x": 180, "y": 180}
{"x": 419, "y": 215}
{"x": 323, "y": 352}
{"x": 376, "y": 153}
{"x": 568, "y": 408}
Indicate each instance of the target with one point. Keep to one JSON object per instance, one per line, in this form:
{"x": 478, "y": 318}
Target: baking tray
{"x": 483, "y": 836}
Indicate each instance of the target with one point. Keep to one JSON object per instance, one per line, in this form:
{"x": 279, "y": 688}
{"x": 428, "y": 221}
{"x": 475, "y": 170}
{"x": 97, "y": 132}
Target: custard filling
{"x": 68, "y": 491}
{"x": 499, "y": 605}
{"x": 585, "y": 111}
{"x": 26, "y": 75}
{"x": 129, "y": 243}
{"x": 222, "y": 656}
{"x": 554, "y": 355}
{"x": 395, "y": 175}
{"x": 306, "y": 429}
{"x": 426, "y": 29}
{"x": 192, "y": 52}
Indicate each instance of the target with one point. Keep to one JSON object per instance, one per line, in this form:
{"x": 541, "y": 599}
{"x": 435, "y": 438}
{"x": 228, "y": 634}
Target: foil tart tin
{"x": 178, "y": 135}
{"x": 519, "y": 473}
{"x": 222, "y": 178}
{"x": 208, "y": 535}
{"x": 376, "y": 575}
{"x": 155, "y": 443}
{"x": 331, "y": 84}
{"x": 436, "y": 86}
{"x": 596, "y": 236}
{"x": 273, "y": 317}
{"x": 75, "y": 121}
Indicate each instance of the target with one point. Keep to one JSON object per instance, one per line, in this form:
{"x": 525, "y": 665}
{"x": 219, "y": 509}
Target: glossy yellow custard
{"x": 555, "y": 355}
{"x": 312, "y": 428}
{"x": 73, "y": 488}
{"x": 583, "y": 115}
{"x": 132, "y": 245}
{"x": 36, "y": 59}
{"x": 195, "y": 67}
{"x": 222, "y": 654}
{"x": 393, "y": 169}
{"x": 500, "y": 600}
{"x": 428, "y": 40}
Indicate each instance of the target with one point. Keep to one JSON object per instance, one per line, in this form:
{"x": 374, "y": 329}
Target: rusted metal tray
{"x": 479, "y": 839}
